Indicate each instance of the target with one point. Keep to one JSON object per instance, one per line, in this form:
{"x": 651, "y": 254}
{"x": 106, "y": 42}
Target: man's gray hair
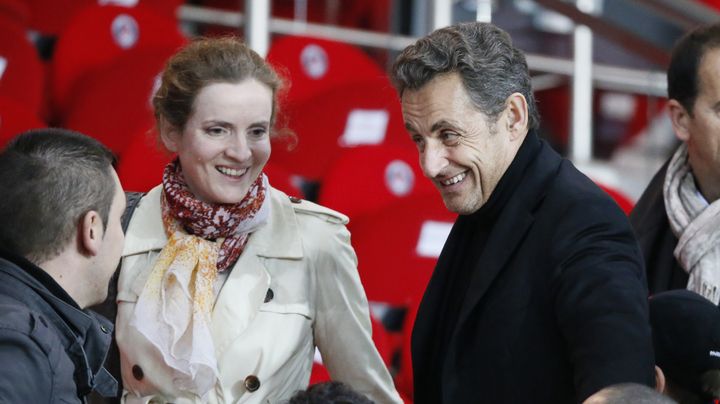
{"x": 490, "y": 67}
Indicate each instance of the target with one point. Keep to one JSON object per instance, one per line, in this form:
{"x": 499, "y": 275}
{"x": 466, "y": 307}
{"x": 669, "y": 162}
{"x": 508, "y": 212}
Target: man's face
{"x": 462, "y": 152}
{"x": 113, "y": 240}
{"x": 703, "y": 126}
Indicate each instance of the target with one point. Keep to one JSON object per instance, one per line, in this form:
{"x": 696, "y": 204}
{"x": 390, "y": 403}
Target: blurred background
{"x": 598, "y": 74}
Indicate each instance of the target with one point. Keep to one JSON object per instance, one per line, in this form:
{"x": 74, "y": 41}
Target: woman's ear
{"x": 169, "y": 135}
{"x": 516, "y": 116}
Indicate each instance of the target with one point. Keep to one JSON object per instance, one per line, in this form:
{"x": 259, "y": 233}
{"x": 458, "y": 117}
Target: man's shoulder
{"x": 574, "y": 192}
{"x": 17, "y": 319}
{"x": 41, "y": 369}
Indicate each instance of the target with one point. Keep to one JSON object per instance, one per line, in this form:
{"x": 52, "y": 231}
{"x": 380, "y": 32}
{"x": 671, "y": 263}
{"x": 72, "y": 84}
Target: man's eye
{"x": 449, "y": 137}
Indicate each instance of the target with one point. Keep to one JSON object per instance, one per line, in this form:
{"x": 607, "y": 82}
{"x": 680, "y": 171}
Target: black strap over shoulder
{"x": 108, "y": 308}
{"x": 133, "y": 200}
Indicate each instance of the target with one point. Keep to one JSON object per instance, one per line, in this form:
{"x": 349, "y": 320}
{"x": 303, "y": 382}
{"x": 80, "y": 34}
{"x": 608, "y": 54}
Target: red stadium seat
{"x": 51, "y": 17}
{"x": 97, "y": 36}
{"x": 16, "y": 118}
{"x": 283, "y": 180}
{"x": 365, "y": 112}
{"x": 367, "y": 178}
{"x": 22, "y": 76}
{"x": 319, "y": 374}
{"x": 315, "y": 66}
{"x": 14, "y": 13}
{"x": 140, "y": 166}
{"x": 114, "y": 103}
{"x": 398, "y": 246}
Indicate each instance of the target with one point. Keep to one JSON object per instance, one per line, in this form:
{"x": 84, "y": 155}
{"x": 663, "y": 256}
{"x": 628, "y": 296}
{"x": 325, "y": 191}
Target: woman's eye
{"x": 258, "y": 132}
{"x": 216, "y": 131}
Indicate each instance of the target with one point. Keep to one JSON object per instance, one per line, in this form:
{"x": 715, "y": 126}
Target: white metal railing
{"x": 640, "y": 81}
{"x": 582, "y": 89}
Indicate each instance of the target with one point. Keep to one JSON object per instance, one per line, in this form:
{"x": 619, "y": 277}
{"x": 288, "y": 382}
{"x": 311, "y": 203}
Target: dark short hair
{"x": 633, "y": 393}
{"x": 202, "y": 62}
{"x": 683, "y": 76}
{"x": 329, "y": 393}
{"x": 49, "y": 178}
{"x": 490, "y": 67}
{"x": 685, "y": 329}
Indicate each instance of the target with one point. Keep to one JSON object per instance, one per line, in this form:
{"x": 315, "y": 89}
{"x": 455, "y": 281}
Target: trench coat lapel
{"x": 244, "y": 291}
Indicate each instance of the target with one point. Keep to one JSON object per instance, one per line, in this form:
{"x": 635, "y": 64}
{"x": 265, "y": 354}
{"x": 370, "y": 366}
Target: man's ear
{"x": 516, "y": 115}
{"x": 91, "y": 232}
{"x": 659, "y": 380}
{"x": 680, "y": 118}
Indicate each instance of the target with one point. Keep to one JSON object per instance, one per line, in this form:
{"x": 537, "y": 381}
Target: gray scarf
{"x": 696, "y": 225}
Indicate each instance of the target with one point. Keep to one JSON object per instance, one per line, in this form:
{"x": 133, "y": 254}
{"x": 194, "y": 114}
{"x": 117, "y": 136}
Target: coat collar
{"x": 278, "y": 238}
{"x": 504, "y": 238}
{"x": 512, "y": 225}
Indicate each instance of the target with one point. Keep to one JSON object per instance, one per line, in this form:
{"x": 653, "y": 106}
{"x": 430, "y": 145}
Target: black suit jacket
{"x": 557, "y": 304}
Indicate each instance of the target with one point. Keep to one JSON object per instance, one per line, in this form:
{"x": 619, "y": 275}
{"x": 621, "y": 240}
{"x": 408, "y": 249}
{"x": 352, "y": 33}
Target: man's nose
{"x": 433, "y": 160}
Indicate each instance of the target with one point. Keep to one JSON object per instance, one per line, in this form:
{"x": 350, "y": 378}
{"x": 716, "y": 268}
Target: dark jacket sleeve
{"x": 601, "y": 301}
{"x": 26, "y": 374}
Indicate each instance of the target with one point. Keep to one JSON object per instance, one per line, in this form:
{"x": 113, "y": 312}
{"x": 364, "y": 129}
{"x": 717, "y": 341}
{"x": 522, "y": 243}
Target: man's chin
{"x": 459, "y": 205}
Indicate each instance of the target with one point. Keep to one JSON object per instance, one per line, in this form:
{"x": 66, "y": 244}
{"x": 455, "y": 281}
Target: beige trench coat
{"x": 303, "y": 255}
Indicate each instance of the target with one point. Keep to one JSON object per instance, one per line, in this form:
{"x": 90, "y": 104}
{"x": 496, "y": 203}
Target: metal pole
{"x": 650, "y": 82}
{"x": 442, "y": 14}
{"x": 582, "y": 88}
{"x": 484, "y": 11}
{"x": 257, "y": 29}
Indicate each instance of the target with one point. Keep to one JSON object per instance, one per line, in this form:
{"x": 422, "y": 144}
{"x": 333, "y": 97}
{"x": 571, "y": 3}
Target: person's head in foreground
{"x": 61, "y": 207}
{"x": 329, "y": 393}
{"x": 628, "y": 393}
{"x": 686, "y": 337}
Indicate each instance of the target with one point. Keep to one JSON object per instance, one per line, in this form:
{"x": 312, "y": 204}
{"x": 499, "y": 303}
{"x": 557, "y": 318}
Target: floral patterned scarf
{"x": 232, "y": 223}
{"x": 173, "y": 311}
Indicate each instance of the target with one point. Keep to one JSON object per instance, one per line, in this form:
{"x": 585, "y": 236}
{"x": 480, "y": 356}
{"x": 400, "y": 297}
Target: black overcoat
{"x": 657, "y": 241}
{"x": 557, "y": 303}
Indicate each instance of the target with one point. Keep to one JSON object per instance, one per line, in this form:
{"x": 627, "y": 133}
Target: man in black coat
{"x": 677, "y": 219}
{"x": 60, "y": 242}
{"x": 539, "y": 294}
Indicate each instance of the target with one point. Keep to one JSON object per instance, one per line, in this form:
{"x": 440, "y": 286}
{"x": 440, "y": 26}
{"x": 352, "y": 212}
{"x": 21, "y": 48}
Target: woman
{"x": 227, "y": 285}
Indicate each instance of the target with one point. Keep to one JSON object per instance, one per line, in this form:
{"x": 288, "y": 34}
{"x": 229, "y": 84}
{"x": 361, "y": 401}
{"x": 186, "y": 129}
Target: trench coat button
{"x": 252, "y": 383}
{"x": 104, "y": 329}
{"x": 137, "y": 372}
{"x": 269, "y": 295}
{"x": 295, "y": 199}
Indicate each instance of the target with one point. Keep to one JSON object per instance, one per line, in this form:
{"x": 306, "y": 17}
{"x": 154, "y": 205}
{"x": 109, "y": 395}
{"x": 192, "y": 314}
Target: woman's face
{"x": 226, "y": 141}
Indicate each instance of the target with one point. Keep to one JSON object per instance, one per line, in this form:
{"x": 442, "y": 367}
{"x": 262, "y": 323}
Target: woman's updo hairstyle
{"x": 202, "y": 62}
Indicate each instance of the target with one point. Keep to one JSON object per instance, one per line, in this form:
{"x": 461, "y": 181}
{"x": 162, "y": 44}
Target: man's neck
{"x": 63, "y": 269}
{"x": 708, "y": 185}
